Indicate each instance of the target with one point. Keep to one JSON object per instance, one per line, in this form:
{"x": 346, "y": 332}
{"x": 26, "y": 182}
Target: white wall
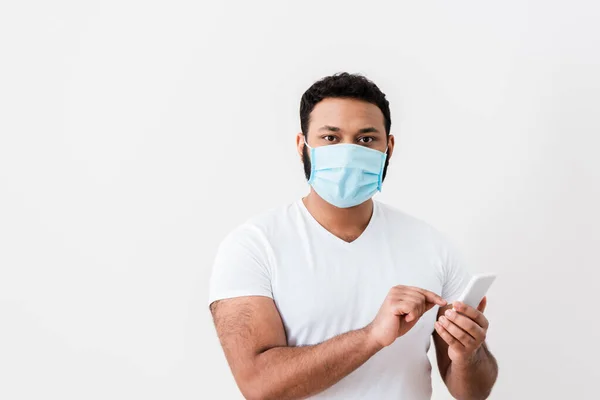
{"x": 135, "y": 135}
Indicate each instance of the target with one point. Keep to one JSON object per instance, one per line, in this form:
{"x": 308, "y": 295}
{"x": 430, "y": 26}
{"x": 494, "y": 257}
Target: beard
{"x": 307, "y": 166}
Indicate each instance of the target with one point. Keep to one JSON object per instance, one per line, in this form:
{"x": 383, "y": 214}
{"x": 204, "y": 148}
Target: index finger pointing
{"x": 432, "y": 297}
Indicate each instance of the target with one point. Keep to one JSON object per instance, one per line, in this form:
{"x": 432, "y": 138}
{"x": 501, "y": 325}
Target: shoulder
{"x": 262, "y": 227}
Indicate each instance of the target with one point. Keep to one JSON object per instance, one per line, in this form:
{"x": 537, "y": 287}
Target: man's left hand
{"x": 464, "y": 329}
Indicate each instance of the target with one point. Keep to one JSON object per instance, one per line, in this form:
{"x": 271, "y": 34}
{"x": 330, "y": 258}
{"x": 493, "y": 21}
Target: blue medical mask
{"x": 346, "y": 175}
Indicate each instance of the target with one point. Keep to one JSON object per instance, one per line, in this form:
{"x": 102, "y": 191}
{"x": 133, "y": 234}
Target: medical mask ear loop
{"x": 380, "y": 180}
{"x": 312, "y": 161}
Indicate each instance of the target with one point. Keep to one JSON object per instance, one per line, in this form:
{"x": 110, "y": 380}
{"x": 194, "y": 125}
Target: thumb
{"x": 482, "y": 304}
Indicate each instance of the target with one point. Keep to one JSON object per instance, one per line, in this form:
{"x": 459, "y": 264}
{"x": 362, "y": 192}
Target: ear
{"x": 300, "y": 144}
{"x": 391, "y": 144}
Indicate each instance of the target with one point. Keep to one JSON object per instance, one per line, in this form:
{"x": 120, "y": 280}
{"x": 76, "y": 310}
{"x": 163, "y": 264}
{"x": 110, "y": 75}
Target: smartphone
{"x": 476, "y": 289}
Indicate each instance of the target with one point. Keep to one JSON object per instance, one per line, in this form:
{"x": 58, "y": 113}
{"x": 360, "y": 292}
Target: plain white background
{"x": 135, "y": 135}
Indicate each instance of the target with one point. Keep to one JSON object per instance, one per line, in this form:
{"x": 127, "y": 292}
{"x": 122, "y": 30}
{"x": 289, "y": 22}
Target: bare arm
{"x": 264, "y": 367}
{"x": 254, "y": 342}
{"x": 467, "y": 366}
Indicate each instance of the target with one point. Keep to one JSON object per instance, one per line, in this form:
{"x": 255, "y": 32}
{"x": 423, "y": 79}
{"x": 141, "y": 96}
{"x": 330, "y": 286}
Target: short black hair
{"x": 343, "y": 85}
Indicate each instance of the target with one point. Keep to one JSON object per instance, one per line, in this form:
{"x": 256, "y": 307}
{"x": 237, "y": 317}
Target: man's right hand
{"x": 400, "y": 311}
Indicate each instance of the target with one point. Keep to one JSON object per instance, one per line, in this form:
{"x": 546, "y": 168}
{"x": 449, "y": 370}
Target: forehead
{"x": 347, "y": 114}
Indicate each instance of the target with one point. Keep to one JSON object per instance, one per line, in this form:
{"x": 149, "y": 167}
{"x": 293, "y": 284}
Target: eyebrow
{"x": 368, "y": 130}
{"x": 330, "y": 128}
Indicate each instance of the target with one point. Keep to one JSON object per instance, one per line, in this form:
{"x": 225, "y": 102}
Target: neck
{"x": 338, "y": 219}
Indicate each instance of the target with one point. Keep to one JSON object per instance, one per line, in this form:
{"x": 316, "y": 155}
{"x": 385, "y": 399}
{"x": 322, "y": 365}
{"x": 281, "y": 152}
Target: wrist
{"x": 371, "y": 342}
{"x": 472, "y": 361}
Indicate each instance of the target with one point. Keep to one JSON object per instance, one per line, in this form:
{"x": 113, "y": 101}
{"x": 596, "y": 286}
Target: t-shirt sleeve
{"x": 241, "y": 266}
{"x": 457, "y": 274}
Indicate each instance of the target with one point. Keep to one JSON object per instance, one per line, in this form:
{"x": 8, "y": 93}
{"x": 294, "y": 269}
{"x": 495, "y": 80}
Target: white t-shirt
{"x": 324, "y": 286}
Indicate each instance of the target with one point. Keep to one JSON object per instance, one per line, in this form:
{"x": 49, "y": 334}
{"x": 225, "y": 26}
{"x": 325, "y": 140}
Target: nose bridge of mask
{"x": 312, "y": 148}
{"x": 348, "y": 156}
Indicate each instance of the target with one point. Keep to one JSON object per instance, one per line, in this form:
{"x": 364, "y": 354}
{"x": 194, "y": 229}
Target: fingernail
{"x": 450, "y": 313}
{"x": 443, "y": 320}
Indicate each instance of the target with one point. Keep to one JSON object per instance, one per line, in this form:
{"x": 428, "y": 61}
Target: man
{"x": 336, "y": 296}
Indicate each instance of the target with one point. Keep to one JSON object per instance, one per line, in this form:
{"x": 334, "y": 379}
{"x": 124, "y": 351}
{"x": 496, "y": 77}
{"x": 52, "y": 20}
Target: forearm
{"x": 296, "y": 372}
{"x": 475, "y": 380}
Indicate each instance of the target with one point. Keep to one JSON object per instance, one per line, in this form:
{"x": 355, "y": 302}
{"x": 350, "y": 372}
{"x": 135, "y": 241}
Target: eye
{"x": 366, "y": 139}
{"x": 329, "y": 138}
